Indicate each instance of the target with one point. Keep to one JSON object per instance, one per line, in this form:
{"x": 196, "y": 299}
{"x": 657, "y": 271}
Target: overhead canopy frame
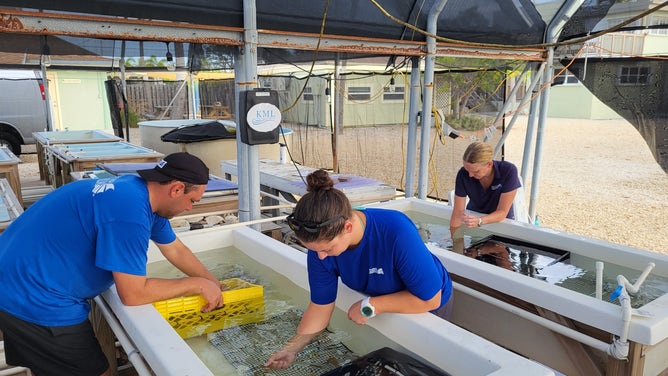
{"x": 506, "y": 29}
{"x": 87, "y": 26}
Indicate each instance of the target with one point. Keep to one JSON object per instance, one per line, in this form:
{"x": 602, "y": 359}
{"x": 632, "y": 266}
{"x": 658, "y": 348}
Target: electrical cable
{"x": 315, "y": 56}
{"x": 515, "y": 47}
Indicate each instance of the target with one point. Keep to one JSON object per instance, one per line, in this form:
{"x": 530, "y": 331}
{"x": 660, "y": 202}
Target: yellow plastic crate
{"x": 243, "y": 303}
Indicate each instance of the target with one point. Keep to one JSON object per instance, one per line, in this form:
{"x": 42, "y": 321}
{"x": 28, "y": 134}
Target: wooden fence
{"x": 158, "y": 100}
{"x": 217, "y": 99}
{"x": 163, "y": 100}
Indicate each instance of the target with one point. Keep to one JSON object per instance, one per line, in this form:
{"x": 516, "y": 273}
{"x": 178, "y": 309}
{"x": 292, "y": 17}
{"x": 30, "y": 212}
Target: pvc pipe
{"x": 277, "y": 198}
{"x": 620, "y": 347}
{"x": 625, "y": 302}
{"x": 271, "y": 207}
{"x": 240, "y": 224}
{"x": 633, "y": 288}
{"x": 551, "y": 325}
{"x": 599, "y": 280}
{"x": 220, "y": 212}
{"x": 132, "y": 352}
{"x": 232, "y": 211}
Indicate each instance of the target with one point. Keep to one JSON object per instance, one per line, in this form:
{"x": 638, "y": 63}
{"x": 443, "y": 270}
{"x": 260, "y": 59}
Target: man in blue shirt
{"x": 76, "y": 242}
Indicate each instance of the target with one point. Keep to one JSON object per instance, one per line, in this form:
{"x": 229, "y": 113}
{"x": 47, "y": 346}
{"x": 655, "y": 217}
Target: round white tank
{"x": 211, "y": 152}
{"x": 151, "y": 130}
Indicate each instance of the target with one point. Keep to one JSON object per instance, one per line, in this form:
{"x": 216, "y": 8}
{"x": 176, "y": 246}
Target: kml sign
{"x": 260, "y": 117}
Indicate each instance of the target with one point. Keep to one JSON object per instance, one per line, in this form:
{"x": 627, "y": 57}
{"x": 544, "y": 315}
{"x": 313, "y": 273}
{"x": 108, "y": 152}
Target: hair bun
{"x": 319, "y": 180}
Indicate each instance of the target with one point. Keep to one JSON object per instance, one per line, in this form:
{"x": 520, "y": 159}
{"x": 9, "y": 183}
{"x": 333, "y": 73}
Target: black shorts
{"x": 52, "y": 350}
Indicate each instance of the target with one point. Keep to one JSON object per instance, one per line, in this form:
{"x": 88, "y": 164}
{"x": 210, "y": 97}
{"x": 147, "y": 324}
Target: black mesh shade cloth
{"x": 635, "y": 88}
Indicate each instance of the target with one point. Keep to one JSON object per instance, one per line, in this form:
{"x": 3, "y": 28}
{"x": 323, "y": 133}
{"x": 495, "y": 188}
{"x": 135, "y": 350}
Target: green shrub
{"x": 133, "y": 119}
{"x": 468, "y": 122}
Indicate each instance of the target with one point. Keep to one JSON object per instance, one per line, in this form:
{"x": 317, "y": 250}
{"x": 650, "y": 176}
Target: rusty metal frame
{"x": 92, "y": 26}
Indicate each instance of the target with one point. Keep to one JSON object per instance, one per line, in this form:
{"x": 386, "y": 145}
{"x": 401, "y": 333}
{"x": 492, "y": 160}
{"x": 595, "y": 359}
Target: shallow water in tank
{"x": 542, "y": 265}
{"x": 281, "y": 295}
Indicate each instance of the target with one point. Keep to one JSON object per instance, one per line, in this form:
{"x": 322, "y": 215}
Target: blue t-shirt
{"x": 486, "y": 201}
{"x": 391, "y": 257}
{"x": 62, "y": 250}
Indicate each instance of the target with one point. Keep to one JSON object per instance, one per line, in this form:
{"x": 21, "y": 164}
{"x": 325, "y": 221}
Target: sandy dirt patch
{"x": 598, "y": 177}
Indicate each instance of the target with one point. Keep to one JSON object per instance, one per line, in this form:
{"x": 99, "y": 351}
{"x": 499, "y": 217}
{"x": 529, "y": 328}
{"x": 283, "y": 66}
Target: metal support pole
{"x": 506, "y": 102}
{"x": 193, "y": 103}
{"x": 552, "y": 34}
{"x": 337, "y": 125}
{"x": 522, "y": 103}
{"x": 45, "y": 60}
{"x": 428, "y": 88}
{"x": 242, "y": 162}
{"x": 540, "y": 133}
{"x": 124, "y": 91}
{"x": 413, "y": 106}
{"x": 251, "y": 152}
{"x": 531, "y": 128}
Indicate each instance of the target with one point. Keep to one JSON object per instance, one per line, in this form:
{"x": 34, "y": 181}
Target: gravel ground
{"x": 598, "y": 177}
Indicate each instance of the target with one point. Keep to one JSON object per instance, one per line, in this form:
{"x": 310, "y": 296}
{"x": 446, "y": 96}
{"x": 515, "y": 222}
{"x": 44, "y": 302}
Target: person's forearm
{"x": 188, "y": 263}
{"x": 404, "y": 302}
{"x": 456, "y": 219}
{"x": 298, "y": 342}
{"x": 458, "y": 244}
{"x": 314, "y": 320}
{"x": 455, "y": 224}
{"x": 136, "y": 290}
{"x": 493, "y": 217}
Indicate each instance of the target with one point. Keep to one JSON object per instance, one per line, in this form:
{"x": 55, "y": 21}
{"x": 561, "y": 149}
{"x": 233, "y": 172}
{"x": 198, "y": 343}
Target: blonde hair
{"x": 478, "y": 152}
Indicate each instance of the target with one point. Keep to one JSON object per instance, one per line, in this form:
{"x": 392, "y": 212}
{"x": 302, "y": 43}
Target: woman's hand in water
{"x": 281, "y": 359}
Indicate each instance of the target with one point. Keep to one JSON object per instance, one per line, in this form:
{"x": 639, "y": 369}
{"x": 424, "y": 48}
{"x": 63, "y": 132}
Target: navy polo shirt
{"x": 486, "y": 201}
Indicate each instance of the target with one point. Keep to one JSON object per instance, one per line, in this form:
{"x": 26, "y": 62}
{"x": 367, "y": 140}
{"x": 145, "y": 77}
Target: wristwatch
{"x": 367, "y": 309}
{"x": 479, "y": 221}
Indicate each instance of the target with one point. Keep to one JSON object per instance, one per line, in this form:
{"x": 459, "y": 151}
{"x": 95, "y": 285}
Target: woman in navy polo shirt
{"x": 490, "y": 186}
{"x": 377, "y": 252}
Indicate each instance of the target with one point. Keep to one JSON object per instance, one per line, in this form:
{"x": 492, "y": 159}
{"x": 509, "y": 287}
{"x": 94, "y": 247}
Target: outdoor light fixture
{"x": 171, "y": 64}
{"x": 45, "y": 57}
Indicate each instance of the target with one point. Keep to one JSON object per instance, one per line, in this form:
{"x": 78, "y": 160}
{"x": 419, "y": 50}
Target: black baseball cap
{"x": 178, "y": 166}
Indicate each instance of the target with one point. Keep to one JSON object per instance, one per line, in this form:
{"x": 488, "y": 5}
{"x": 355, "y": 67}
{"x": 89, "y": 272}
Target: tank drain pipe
{"x": 549, "y": 324}
{"x": 132, "y": 352}
{"x": 619, "y": 348}
{"x": 599, "y": 280}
